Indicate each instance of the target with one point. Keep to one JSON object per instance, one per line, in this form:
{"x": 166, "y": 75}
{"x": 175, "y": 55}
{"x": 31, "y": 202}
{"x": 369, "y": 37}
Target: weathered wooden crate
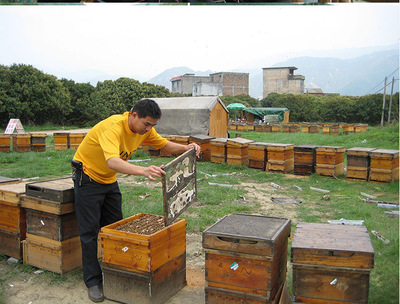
{"x": 258, "y": 155}
{"x": 58, "y": 190}
{"x": 358, "y": 162}
{"x": 294, "y": 128}
{"x": 21, "y": 142}
{"x": 38, "y": 142}
{"x": 5, "y": 143}
{"x": 304, "y": 159}
{"x": 384, "y": 165}
{"x": 280, "y": 157}
{"x": 331, "y": 263}
{"x": 204, "y": 142}
{"x": 246, "y": 258}
{"x": 61, "y": 141}
{"x": 259, "y": 127}
{"x": 139, "y": 252}
{"x": 60, "y": 257}
{"x": 154, "y": 287}
{"x": 267, "y": 128}
{"x": 218, "y": 150}
{"x": 75, "y": 140}
{"x": 330, "y": 160}
{"x": 237, "y": 151}
{"x": 58, "y": 227}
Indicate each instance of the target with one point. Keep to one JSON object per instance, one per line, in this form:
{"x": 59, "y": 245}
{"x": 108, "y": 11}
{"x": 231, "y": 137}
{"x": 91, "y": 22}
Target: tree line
{"x": 38, "y": 98}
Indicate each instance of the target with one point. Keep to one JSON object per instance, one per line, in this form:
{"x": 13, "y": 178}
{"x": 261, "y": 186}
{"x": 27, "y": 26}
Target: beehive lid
{"x": 12, "y": 193}
{"x": 201, "y": 137}
{"x": 305, "y": 147}
{"x": 179, "y": 185}
{"x": 360, "y": 149}
{"x": 219, "y": 140}
{"x": 7, "y": 180}
{"x": 247, "y": 226}
{"x": 333, "y": 245}
{"x": 330, "y": 149}
{"x": 385, "y": 153}
{"x": 259, "y": 144}
{"x": 239, "y": 141}
{"x": 59, "y": 190}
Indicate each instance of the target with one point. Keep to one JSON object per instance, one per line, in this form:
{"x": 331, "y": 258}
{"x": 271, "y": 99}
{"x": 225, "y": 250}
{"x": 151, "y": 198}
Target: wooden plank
{"x": 179, "y": 185}
{"x": 222, "y": 296}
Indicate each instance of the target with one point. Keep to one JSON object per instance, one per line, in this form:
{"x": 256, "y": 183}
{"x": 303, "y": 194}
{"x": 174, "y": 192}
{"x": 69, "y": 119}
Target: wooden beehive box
{"x": 58, "y": 190}
{"x": 164, "y": 153}
{"x": 75, "y": 140}
{"x": 326, "y": 128}
{"x": 280, "y": 157}
{"x": 57, "y": 256}
{"x": 259, "y": 127}
{"x": 218, "y": 150}
{"x": 5, "y": 143}
{"x": 359, "y": 128}
{"x": 246, "y": 257}
{"x": 276, "y": 128}
{"x": 140, "y": 252}
{"x": 358, "y": 162}
{"x": 304, "y": 159}
{"x": 241, "y": 127}
{"x": 61, "y": 141}
{"x": 267, "y": 128}
{"x": 154, "y": 287}
{"x": 305, "y": 128}
{"x": 7, "y": 180}
{"x": 285, "y": 128}
{"x": 348, "y": 129}
{"x": 294, "y": 128}
{"x": 314, "y": 128}
{"x": 258, "y": 155}
{"x": 38, "y": 142}
{"x": 250, "y": 128}
{"x": 335, "y": 130}
{"x": 237, "y": 151}
{"x": 204, "y": 142}
{"x": 331, "y": 263}
{"x": 330, "y": 160}
{"x": 232, "y": 127}
{"x": 181, "y": 139}
{"x": 21, "y": 142}
{"x": 384, "y": 165}
{"x": 12, "y": 219}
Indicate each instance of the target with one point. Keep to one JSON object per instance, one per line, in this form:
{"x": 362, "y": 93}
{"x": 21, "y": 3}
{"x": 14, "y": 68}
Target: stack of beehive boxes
{"x": 280, "y": 157}
{"x": 218, "y": 150}
{"x": 258, "y": 155}
{"x": 38, "y": 142}
{"x": 237, "y": 151}
{"x": 52, "y": 239}
{"x": 245, "y": 258}
{"x": 384, "y": 165}
{"x": 141, "y": 268}
{"x": 331, "y": 263}
{"x": 330, "y": 160}
{"x": 204, "y": 142}
{"x": 358, "y": 162}
{"x": 304, "y": 159}
{"x": 12, "y": 219}
{"x": 61, "y": 141}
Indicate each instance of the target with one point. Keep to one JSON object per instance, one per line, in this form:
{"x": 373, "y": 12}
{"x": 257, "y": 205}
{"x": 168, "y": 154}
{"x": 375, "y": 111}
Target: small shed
{"x": 205, "y": 115}
{"x": 282, "y": 114}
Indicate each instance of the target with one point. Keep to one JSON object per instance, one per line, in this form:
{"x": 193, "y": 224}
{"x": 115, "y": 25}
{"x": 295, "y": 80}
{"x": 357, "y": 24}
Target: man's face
{"x": 141, "y": 125}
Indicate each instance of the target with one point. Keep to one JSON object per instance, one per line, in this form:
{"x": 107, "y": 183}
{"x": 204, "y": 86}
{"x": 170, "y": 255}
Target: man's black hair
{"x": 147, "y": 107}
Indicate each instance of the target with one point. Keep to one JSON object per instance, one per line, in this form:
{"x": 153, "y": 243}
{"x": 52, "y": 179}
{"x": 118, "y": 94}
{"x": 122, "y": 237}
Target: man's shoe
{"x": 96, "y": 293}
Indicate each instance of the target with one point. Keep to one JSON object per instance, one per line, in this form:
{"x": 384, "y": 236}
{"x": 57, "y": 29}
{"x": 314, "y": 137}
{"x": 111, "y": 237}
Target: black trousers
{"x": 96, "y": 205}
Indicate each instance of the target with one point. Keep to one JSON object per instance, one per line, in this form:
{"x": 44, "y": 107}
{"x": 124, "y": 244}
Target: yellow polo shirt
{"x": 112, "y": 138}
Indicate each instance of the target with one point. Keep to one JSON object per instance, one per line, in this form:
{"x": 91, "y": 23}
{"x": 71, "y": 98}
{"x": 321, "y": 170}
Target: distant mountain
{"x": 356, "y": 76}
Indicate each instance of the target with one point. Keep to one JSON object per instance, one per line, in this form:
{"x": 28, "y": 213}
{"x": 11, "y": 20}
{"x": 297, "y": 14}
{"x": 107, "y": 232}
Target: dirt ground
{"x": 25, "y": 289}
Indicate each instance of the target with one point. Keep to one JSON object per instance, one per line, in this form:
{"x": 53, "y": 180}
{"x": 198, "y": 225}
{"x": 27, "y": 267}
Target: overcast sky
{"x": 126, "y": 39}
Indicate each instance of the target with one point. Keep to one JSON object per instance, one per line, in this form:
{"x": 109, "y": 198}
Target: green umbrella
{"x": 236, "y": 106}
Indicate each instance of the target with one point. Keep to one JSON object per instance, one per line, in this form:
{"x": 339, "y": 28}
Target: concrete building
{"x": 217, "y": 84}
{"x": 282, "y": 80}
{"x": 184, "y": 84}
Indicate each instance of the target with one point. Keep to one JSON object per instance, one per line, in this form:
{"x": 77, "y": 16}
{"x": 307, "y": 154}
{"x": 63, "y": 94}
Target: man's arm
{"x": 121, "y": 166}
{"x": 176, "y": 148}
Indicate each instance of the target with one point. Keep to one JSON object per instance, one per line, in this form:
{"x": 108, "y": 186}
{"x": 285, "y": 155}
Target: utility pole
{"x": 384, "y": 100}
{"x": 390, "y": 103}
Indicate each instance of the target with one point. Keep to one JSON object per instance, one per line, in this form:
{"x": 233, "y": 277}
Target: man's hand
{"x": 153, "y": 171}
{"x": 196, "y": 148}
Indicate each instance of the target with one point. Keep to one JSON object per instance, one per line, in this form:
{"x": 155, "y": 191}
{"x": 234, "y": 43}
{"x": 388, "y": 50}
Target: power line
{"x": 382, "y": 82}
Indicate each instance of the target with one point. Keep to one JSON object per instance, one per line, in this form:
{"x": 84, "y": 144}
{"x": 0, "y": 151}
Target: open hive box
{"x": 144, "y": 256}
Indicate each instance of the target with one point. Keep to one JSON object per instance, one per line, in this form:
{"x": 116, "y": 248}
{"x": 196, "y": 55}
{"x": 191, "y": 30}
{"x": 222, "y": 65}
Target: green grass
{"x": 214, "y": 202}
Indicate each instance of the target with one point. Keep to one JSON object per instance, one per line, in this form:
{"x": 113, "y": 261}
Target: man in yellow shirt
{"x": 104, "y": 152}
